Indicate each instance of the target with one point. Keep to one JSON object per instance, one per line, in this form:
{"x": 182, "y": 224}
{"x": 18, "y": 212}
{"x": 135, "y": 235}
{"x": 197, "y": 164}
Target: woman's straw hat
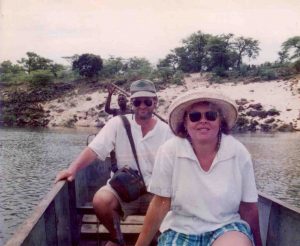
{"x": 183, "y": 102}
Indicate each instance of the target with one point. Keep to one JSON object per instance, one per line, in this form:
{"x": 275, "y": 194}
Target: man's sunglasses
{"x": 209, "y": 115}
{"x": 138, "y": 102}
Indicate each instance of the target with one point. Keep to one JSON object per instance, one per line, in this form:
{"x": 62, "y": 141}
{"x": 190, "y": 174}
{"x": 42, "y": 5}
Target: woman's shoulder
{"x": 174, "y": 143}
{"x": 234, "y": 144}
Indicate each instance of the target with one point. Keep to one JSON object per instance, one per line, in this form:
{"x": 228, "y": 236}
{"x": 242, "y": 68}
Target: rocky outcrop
{"x": 23, "y": 108}
{"x": 253, "y": 117}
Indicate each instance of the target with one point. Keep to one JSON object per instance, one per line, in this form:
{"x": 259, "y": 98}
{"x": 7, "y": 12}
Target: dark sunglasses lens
{"x": 148, "y": 102}
{"x": 211, "y": 115}
{"x": 136, "y": 103}
{"x": 195, "y": 116}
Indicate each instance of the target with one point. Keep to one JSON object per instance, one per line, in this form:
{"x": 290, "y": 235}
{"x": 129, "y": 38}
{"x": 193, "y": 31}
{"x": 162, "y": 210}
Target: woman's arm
{"x": 249, "y": 213}
{"x": 157, "y": 211}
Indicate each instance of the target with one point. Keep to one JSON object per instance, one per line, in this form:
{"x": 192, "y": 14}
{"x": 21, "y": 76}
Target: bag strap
{"x": 129, "y": 134}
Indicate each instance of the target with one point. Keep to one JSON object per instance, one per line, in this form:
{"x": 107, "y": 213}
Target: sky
{"x": 141, "y": 28}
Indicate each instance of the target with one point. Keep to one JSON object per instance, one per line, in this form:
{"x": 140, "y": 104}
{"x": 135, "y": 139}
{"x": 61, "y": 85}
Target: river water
{"x": 30, "y": 159}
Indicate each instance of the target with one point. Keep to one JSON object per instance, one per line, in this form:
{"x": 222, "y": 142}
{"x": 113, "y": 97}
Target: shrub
{"x": 296, "y": 65}
{"x": 177, "y": 78}
{"x": 268, "y": 74}
{"x": 14, "y": 78}
{"x": 41, "y": 78}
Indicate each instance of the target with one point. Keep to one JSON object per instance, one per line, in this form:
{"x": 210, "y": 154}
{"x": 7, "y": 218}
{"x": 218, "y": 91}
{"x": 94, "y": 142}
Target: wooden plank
{"x": 50, "y": 225}
{"x": 85, "y": 209}
{"x": 27, "y": 228}
{"x": 130, "y": 220}
{"x": 89, "y": 229}
{"x": 62, "y": 210}
{"x": 133, "y": 220}
{"x": 126, "y": 229}
{"x": 90, "y": 219}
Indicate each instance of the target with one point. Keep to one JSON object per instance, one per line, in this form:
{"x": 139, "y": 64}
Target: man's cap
{"x": 142, "y": 88}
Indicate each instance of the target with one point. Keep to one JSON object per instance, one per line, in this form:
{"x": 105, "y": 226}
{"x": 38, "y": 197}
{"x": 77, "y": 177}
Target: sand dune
{"x": 87, "y": 110}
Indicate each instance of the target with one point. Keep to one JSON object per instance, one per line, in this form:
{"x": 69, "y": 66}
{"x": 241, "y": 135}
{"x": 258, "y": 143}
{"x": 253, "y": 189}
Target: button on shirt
{"x": 113, "y": 136}
{"x": 203, "y": 201}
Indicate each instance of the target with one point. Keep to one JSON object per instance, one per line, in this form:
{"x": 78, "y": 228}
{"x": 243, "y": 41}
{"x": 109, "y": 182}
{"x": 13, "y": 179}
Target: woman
{"x": 203, "y": 179}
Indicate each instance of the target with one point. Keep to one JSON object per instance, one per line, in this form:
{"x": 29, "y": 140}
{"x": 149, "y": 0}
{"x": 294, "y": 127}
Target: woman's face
{"x": 203, "y": 122}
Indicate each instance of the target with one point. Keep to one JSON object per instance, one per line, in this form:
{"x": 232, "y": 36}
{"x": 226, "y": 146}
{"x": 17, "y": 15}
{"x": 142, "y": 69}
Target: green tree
{"x": 54, "y": 68}
{"x": 112, "y": 66}
{"x": 196, "y": 49}
{"x": 292, "y": 47}
{"x": 245, "y": 47}
{"x": 34, "y": 62}
{"x": 220, "y": 56}
{"x": 137, "y": 63}
{"x": 7, "y": 67}
{"x": 283, "y": 56}
{"x": 170, "y": 61}
{"x": 88, "y": 65}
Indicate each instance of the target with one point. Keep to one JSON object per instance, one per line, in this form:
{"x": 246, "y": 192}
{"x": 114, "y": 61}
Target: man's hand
{"x": 64, "y": 174}
{"x": 111, "y": 89}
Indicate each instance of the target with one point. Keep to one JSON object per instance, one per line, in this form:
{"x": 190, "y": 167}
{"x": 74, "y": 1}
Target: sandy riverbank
{"x": 87, "y": 110}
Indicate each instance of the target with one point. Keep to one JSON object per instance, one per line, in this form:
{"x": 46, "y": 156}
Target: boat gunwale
{"x": 23, "y": 231}
{"x": 279, "y": 202}
{"x": 26, "y": 227}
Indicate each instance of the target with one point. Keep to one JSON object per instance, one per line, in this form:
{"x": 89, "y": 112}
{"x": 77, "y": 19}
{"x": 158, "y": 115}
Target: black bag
{"x": 127, "y": 182}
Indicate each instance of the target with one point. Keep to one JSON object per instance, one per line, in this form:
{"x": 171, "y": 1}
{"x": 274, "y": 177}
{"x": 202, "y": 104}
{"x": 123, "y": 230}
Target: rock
{"x": 241, "y": 101}
{"x": 265, "y": 127}
{"x": 268, "y": 121}
{"x": 256, "y": 106}
{"x": 273, "y": 112}
{"x": 241, "y": 108}
{"x": 286, "y": 128}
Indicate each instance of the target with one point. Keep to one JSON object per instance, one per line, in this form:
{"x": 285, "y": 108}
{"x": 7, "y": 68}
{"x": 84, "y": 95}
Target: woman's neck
{"x": 204, "y": 148}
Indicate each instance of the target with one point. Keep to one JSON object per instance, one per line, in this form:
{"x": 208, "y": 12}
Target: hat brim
{"x": 143, "y": 94}
{"x": 182, "y": 103}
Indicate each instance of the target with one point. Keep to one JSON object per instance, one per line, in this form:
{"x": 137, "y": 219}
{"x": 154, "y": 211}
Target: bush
{"x": 14, "y": 78}
{"x": 40, "y": 78}
{"x": 268, "y": 74}
{"x": 220, "y": 71}
{"x": 296, "y": 65}
{"x": 177, "y": 78}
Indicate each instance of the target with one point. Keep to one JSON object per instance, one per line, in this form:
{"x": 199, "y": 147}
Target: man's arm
{"x": 157, "y": 211}
{"x": 249, "y": 213}
{"x": 83, "y": 160}
{"x": 108, "y": 101}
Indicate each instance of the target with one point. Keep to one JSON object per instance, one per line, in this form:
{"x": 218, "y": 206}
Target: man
{"x": 122, "y": 102}
{"x": 148, "y": 133}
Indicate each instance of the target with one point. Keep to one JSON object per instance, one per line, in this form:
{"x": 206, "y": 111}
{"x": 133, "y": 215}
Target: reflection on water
{"x": 276, "y": 163}
{"x": 30, "y": 159}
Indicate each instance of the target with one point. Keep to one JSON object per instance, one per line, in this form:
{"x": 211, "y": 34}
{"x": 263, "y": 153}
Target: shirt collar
{"x": 225, "y": 152}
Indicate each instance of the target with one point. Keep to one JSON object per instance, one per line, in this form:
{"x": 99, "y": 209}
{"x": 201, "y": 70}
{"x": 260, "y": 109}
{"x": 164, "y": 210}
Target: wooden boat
{"x": 65, "y": 216}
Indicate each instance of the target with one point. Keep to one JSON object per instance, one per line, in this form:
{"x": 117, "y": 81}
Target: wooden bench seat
{"x": 93, "y": 231}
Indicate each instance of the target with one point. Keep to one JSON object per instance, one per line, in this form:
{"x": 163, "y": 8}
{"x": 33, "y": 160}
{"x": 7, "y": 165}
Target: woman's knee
{"x": 232, "y": 238}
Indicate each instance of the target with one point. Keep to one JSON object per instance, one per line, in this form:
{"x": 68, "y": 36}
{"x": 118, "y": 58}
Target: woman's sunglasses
{"x": 209, "y": 115}
{"x": 138, "y": 102}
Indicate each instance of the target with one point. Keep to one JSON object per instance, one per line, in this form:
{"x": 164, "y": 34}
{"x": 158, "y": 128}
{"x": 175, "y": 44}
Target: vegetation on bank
{"x": 35, "y": 79}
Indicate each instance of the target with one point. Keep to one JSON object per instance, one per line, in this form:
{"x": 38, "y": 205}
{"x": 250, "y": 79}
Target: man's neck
{"x": 146, "y": 124}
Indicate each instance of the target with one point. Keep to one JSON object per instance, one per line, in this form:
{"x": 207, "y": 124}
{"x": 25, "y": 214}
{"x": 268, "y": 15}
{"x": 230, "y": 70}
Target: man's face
{"x": 143, "y": 107}
{"x": 122, "y": 101}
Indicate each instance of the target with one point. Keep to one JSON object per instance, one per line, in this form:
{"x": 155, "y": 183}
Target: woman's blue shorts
{"x": 173, "y": 238}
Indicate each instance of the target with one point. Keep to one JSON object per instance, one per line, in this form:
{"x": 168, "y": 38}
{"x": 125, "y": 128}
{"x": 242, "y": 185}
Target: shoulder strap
{"x": 129, "y": 134}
